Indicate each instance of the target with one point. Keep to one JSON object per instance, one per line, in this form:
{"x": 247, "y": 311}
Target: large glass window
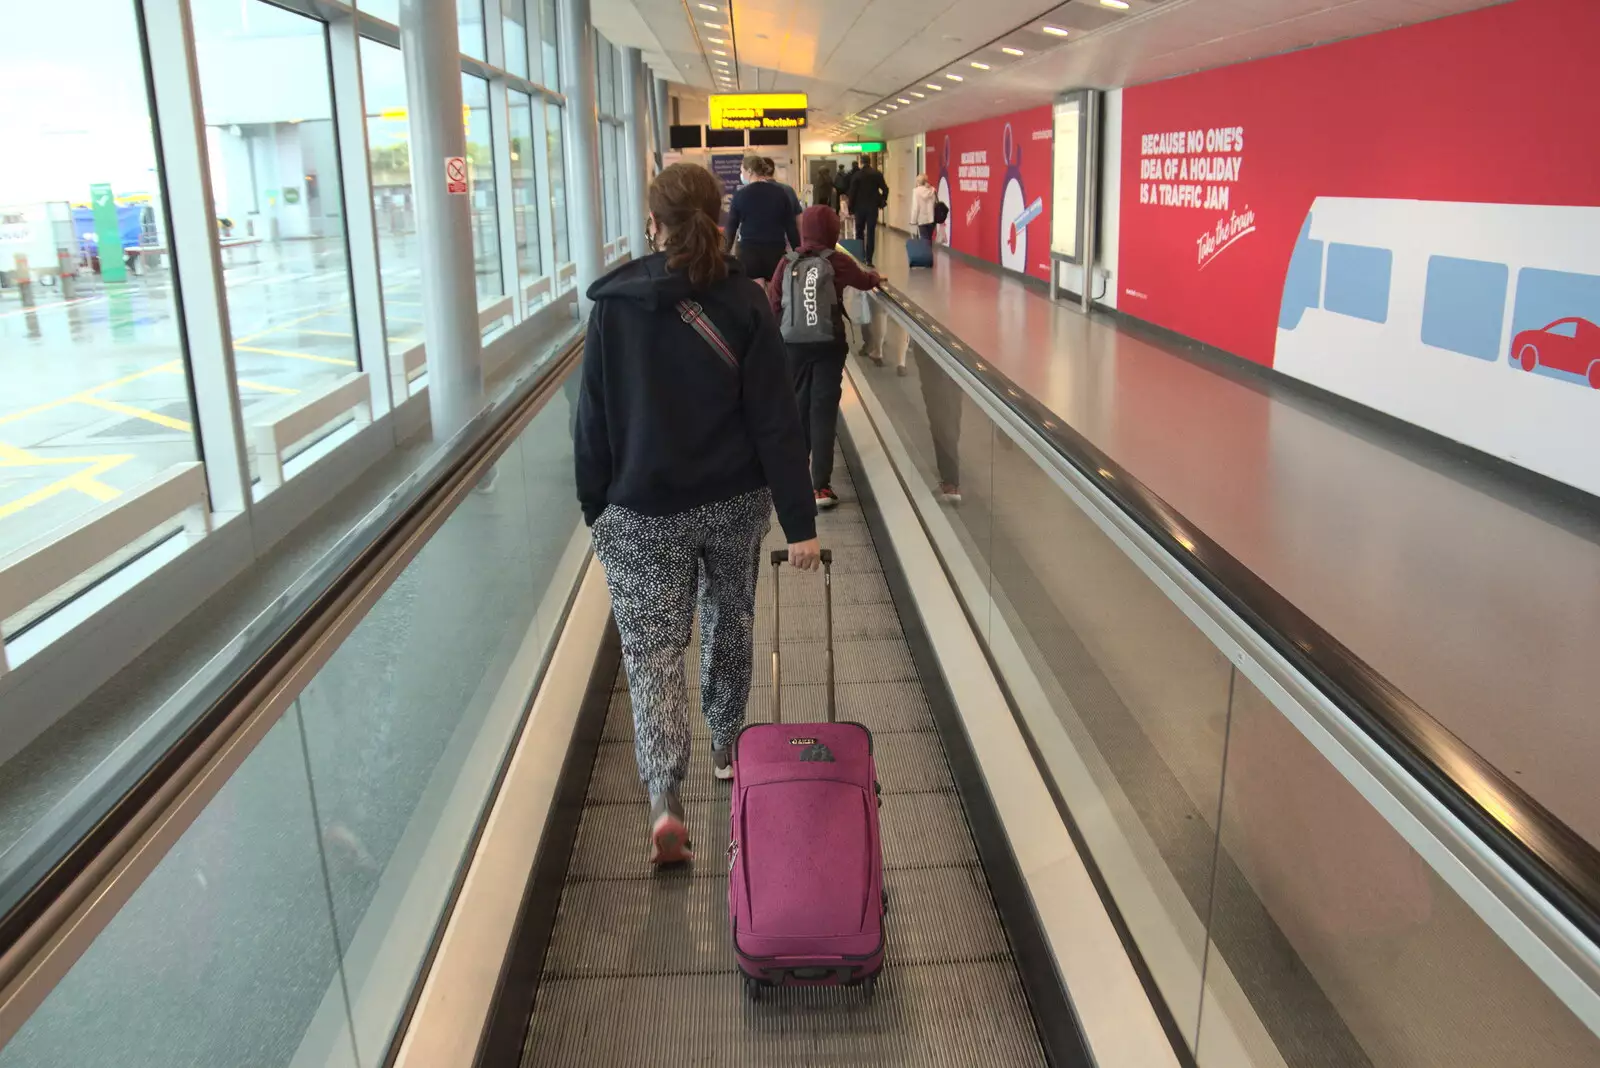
{"x": 514, "y": 19}
{"x": 93, "y": 398}
{"x": 279, "y": 206}
{"x": 602, "y": 74}
{"x": 558, "y": 183}
{"x": 383, "y": 77}
{"x": 388, "y": 10}
{"x": 524, "y": 191}
{"x": 608, "y": 174}
{"x": 469, "y": 27}
{"x": 549, "y": 72}
{"x": 480, "y": 164}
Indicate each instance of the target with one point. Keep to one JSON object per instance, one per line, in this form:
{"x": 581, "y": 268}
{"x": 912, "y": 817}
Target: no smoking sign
{"x": 455, "y": 174}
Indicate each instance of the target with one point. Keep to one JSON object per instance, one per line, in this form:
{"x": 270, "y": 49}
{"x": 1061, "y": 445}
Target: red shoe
{"x": 669, "y": 837}
{"x": 826, "y": 499}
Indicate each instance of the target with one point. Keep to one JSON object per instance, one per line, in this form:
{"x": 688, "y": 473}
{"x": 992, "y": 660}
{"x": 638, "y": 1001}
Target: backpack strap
{"x": 693, "y": 314}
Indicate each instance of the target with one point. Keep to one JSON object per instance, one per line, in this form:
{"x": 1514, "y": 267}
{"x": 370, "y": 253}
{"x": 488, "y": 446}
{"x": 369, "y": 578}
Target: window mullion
{"x": 180, "y": 122}
{"x": 350, "y": 120}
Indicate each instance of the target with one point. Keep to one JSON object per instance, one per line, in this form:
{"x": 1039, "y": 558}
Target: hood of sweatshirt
{"x": 819, "y": 228}
{"x": 648, "y": 282}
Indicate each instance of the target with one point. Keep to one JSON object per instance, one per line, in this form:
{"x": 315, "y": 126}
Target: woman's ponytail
{"x": 686, "y": 200}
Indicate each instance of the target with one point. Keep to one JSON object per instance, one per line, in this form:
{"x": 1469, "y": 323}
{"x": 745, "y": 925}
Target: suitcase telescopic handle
{"x": 779, "y": 558}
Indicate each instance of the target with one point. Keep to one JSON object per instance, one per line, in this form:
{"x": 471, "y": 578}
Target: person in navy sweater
{"x": 761, "y": 219}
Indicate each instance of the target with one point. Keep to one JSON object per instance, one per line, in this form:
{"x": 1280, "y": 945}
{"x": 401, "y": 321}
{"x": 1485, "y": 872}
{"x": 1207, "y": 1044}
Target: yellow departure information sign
{"x": 758, "y": 111}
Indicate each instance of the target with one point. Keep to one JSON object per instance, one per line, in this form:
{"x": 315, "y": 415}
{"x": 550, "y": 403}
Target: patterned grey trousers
{"x": 653, "y": 566}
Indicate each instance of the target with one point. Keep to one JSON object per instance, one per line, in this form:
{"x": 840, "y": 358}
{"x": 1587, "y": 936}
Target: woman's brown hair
{"x": 686, "y": 200}
{"x": 760, "y": 166}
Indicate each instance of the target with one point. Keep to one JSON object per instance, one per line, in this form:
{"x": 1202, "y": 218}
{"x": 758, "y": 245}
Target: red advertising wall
{"x": 1220, "y": 169}
{"x": 995, "y": 175}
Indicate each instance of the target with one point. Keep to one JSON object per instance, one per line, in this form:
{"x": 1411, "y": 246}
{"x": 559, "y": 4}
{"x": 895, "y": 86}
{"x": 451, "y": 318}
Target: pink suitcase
{"x": 805, "y": 864}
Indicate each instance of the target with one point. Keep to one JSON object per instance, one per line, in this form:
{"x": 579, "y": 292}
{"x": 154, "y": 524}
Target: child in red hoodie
{"x": 817, "y": 347}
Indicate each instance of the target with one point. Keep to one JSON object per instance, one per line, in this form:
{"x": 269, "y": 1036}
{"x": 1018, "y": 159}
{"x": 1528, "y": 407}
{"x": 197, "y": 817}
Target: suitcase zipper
{"x": 733, "y": 854}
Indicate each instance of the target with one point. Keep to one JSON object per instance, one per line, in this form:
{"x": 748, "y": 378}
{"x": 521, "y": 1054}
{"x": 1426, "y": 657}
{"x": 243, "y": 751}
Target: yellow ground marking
{"x": 324, "y": 333}
{"x": 296, "y": 355}
{"x": 170, "y": 367}
{"x": 137, "y": 413}
{"x": 85, "y": 481}
{"x": 279, "y": 326}
{"x": 264, "y": 387}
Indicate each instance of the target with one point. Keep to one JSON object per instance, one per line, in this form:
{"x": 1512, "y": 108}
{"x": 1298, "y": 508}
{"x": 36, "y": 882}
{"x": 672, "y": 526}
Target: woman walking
{"x": 762, "y": 219}
{"x": 922, "y": 201}
{"x": 687, "y": 434}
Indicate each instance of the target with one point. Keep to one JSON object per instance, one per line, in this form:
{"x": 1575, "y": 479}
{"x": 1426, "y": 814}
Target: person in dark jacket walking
{"x": 794, "y": 198}
{"x": 761, "y": 219}
{"x": 687, "y": 435}
{"x": 868, "y": 194}
{"x": 817, "y": 368}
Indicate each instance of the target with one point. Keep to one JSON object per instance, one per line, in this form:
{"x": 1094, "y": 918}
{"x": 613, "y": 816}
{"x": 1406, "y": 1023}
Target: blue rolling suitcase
{"x": 919, "y": 252}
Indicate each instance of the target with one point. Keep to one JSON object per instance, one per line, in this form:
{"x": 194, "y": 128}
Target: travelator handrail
{"x": 1532, "y": 841}
{"x": 116, "y": 824}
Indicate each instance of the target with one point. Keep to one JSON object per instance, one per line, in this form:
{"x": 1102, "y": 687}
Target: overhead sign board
{"x": 843, "y": 147}
{"x": 758, "y": 111}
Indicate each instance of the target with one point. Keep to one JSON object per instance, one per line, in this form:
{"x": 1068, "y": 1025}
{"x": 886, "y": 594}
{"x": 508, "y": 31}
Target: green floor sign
{"x": 107, "y": 233}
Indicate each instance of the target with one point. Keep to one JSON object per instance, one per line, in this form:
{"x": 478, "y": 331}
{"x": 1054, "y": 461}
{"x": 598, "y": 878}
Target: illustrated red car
{"x": 1571, "y": 345}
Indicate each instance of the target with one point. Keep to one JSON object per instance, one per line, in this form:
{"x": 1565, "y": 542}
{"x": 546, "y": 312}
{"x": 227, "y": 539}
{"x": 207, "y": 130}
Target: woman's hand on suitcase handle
{"x": 805, "y": 555}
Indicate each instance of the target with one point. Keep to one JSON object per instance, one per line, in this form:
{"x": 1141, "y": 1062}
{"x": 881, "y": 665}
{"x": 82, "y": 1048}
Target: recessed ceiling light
{"x": 716, "y": 40}
{"x": 718, "y": 52}
{"x": 980, "y": 66}
{"x": 713, "y": 26}
{"x": 1120, "y": 5}
{"x": 954, "y": 77}
{"x": 902, "y": 100}
{"x": 919, "y": 96}
{"x": 708, "y": 7}
{"x": 936, "y": 88}
{"x": 1055, "y": 31}
{"x": 1008, "y": 50}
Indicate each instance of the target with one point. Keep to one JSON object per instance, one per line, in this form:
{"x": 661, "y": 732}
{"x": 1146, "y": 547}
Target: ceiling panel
{"x": 849, "y": 55}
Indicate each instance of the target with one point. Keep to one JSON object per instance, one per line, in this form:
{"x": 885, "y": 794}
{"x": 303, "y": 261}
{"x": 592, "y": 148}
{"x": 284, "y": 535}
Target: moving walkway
{"x": 1131, "y": 817}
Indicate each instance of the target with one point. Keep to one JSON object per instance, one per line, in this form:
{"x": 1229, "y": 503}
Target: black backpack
{"x": 941, "y": 212}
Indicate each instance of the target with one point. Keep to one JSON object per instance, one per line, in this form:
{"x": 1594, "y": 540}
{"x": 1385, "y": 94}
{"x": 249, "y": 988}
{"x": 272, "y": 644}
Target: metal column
{"x": 1091, "y": 196}
{"x": 637, "y": 148}
{"x": 582, "y": 156}
{"x": 430, "y": 47}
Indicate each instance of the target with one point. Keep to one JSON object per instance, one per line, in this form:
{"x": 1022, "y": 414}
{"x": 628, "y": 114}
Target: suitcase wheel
{"x": 752, "y": 989}
{"x": 886, "y": 902}
{"x": 871, "y": 989}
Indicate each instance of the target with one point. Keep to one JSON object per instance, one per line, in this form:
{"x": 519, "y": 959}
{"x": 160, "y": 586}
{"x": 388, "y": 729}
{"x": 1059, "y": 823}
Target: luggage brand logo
{"x": 810, "y": 291}
{"x": 802, "y": 741}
